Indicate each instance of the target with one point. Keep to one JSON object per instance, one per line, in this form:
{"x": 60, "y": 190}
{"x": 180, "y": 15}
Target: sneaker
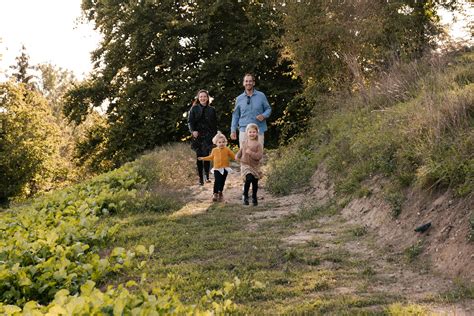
{"x": 220, "y": 197}
{"x": 215, "y": 197}
{"x": 207, "y": 178}
{"x": 201, "y": 182}
{"x": 245, "y": 200}
{"x": 254, "y": 202}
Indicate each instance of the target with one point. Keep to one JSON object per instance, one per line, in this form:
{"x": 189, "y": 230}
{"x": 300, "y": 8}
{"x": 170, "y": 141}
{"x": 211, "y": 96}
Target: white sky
{"x": 50, "y": 31}
{"x": 457, "y": 24}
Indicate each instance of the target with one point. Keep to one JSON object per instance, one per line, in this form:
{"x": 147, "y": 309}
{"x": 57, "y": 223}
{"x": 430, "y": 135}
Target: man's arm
{"x": 235, "y": 121}
{"x": 267, "y": 109}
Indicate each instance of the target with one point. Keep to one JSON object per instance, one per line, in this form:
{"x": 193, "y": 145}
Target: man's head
{"x": 249, "y": 81}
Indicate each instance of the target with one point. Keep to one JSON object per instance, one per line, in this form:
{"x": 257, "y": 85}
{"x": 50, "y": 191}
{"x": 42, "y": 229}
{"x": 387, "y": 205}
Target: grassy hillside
{"x": 414, "y": 126}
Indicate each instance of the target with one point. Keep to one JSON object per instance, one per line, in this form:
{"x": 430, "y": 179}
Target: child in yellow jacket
{"x": 220, "y": 156}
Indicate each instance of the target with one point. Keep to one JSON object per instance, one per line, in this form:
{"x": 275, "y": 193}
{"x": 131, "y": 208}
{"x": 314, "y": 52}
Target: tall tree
{"x": 155, "y": 55}
{"x": 53, "y": 85}
{"x": 341, "y": 45}
{"x": 333, "y": 41}
{"x": 29, "y": 142}
{"x": 22, "y": 69}
{"x": 135, "y": 64}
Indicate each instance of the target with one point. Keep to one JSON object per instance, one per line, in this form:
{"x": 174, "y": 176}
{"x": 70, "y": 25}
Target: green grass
{"x": 408, "y": 309}
{"x": 462, "y": 290}
{"x": 412, "y": 252}
{"x": 419, "y": 133}
{"x": 194, "y": 254}
{"x": 291, "y": 168}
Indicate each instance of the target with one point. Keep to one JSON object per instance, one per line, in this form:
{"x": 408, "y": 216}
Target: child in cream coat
{"x": 250, "y": 154}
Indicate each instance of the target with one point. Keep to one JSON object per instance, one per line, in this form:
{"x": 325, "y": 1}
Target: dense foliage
{"x": 337, "y": 44}
{"x": 156, "y": 55}
{"x": 29, "y": 142}
{"x": 343, "y": 45}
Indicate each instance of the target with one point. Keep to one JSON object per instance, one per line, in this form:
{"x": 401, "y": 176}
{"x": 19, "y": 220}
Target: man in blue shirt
{"x": 250, "y": 107}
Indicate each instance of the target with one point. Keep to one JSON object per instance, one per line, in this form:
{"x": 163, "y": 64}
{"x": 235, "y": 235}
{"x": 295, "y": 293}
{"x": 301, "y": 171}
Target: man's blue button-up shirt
{"x": 246, "y": 110}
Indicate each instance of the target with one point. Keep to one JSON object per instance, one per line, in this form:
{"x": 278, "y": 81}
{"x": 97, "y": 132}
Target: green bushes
{"x": 30, "y": 160}
{"x": 171, "y": 165}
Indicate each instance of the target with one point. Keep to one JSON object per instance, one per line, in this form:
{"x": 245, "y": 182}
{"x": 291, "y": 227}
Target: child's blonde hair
{"x": 218, "y": 136}
{"x": 254, "y": 126}
{"x": 250, "y": 126}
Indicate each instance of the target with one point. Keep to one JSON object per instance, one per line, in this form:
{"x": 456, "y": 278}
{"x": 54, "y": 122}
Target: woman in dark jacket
{"x": 202, "y": 122}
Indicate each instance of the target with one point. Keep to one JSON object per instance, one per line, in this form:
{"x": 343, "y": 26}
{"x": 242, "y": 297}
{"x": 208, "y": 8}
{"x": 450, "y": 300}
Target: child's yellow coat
{"x": 220, "y": 157}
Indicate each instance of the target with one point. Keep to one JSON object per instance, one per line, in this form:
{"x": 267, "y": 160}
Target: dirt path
{"x": 347, "y": 250}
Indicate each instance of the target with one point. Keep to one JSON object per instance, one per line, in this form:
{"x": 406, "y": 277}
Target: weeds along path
{"x": 345, "y": 264}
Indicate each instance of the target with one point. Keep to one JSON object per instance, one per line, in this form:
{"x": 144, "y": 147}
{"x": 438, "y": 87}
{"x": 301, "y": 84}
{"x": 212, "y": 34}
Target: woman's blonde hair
{"x": 218, "y": 136}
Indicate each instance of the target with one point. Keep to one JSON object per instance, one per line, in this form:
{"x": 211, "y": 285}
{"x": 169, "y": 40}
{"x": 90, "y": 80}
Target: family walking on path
{"x": 249, "y": 118}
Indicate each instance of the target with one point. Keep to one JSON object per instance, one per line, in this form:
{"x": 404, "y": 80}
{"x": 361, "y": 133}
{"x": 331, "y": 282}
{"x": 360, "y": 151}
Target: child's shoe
{"x": 254, "y": 201}
{"x": 215, "y": 197}
{"x": 220, "y": 197}
{"x": 245, "y": 200}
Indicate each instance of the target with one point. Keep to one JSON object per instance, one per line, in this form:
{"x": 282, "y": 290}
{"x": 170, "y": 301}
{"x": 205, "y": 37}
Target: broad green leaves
{"x": 53, "y": 244}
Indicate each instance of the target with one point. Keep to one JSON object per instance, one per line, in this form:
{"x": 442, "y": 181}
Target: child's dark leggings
{"x": 219, "y": 181}
{"x": 203, "y": 168}
{"x": 250, "y": 179}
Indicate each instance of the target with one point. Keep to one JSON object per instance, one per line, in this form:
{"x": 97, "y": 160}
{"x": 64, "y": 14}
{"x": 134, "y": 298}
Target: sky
{"x": 52, "y": 33}
{"x": 457, "y": 24}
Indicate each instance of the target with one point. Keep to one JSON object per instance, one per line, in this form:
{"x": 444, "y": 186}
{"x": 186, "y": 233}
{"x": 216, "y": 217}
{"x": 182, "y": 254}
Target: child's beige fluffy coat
{"x": 250, "y": 162}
